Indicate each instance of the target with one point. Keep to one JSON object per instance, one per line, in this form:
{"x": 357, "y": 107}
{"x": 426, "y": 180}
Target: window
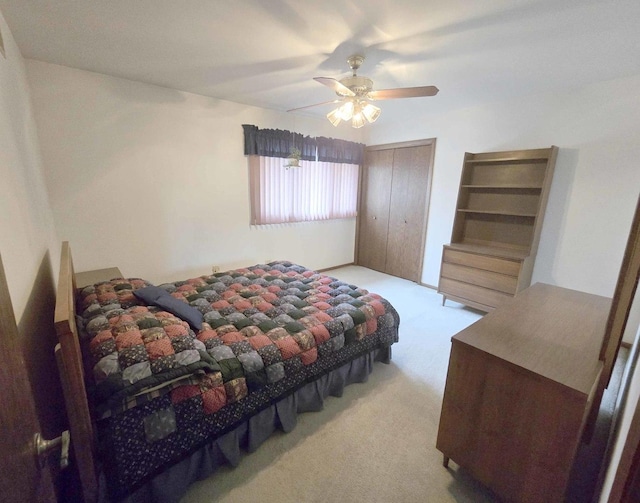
{"x": 315, "y": 191}
{"x": 324, "y": 187}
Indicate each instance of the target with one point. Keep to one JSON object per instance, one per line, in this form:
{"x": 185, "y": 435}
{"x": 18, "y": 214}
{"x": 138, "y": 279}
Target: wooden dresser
{"x": 519, "y": 388}
{"x": 496, "y": 230}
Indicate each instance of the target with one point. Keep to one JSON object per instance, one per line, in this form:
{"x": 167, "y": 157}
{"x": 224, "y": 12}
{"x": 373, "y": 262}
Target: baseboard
{"x": 334, "y": 267}
{"x": 353, "y": 263}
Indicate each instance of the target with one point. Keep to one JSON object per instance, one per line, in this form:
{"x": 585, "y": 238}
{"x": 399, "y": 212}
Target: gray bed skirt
{"x": 172, "y": 484}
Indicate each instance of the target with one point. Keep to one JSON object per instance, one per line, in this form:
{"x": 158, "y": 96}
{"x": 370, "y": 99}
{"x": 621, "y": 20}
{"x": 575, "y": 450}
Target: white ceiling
{"x": 265, "y": 52}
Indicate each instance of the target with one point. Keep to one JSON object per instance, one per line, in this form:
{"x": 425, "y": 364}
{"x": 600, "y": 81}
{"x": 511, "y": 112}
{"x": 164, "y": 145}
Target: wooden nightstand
{"x": 86, "y": 278}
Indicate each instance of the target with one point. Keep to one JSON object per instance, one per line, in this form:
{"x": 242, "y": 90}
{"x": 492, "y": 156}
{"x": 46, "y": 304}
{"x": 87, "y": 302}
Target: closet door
{"x": 373, "y": 220}
{"x": 408, "y": 211}
{"x": 394, "y": 197}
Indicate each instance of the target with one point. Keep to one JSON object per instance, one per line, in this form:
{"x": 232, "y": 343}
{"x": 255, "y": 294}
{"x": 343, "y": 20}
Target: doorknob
{"x": 45, "y": 447}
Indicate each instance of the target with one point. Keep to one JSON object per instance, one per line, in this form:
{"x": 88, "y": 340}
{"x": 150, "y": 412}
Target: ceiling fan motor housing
{"x": 361, "y": 86}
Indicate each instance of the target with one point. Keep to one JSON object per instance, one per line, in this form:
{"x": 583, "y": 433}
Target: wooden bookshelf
{"x": 496, "y": 230}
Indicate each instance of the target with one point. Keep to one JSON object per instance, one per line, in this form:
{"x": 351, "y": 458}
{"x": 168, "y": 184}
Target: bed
{"x": 165, "y": 383}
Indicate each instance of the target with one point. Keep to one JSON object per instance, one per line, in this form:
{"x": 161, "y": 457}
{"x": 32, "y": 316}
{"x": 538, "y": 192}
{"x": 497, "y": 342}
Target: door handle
{"x": 45, "y": 447}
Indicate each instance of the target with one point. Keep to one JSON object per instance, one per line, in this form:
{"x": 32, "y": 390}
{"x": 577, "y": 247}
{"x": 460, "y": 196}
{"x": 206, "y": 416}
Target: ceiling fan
{"x": 356, "y": 94}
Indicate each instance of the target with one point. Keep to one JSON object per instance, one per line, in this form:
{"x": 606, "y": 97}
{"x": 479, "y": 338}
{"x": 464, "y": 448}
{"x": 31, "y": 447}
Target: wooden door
{"x": 21, "y": 478}
{"x": 408, "y": 211}
{"x": 374, "y": 209}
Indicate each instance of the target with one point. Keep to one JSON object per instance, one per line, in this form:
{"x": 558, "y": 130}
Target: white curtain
{"x": 315, "y": 191}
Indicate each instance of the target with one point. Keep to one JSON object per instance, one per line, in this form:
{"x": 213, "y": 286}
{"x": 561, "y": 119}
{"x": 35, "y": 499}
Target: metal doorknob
{"x": 45, "y": 447}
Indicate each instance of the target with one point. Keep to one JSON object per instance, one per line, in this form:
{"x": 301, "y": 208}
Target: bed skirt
{"x": 172, "y": 484}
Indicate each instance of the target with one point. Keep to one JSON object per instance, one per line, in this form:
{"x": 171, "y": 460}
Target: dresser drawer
{"x": 477, "y": 294}
{"x": 488, "y": 279}
{"x": 485, "y": 262}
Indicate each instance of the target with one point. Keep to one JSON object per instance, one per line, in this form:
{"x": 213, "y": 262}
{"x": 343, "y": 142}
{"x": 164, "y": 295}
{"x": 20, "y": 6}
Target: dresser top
{"x": 551, "y": 331}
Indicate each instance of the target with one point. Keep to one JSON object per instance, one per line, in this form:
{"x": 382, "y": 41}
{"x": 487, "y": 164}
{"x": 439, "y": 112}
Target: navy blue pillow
{"x": 161, "y": 298}
{"x": 149, "y": 294}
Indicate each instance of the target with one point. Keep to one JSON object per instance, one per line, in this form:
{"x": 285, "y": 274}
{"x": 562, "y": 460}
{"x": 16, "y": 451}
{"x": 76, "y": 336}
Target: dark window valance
{"x": 278, "y": 143}
{"x": 332, "y": 150}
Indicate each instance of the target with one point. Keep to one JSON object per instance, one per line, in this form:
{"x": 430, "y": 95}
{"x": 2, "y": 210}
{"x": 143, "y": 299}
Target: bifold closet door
{"x": 407, "y": 211}
{"x": 374, "y": 209}
{"x": 393, "y": 208}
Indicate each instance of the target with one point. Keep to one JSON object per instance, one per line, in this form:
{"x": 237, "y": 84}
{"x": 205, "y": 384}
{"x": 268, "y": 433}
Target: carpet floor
{"x": 376, "y": 443}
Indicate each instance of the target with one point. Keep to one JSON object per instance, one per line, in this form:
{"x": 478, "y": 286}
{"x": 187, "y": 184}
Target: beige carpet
{"x": 377, "y": 442}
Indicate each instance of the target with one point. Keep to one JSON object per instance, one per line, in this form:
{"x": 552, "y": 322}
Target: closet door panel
{"x": 374, "y": 209}
{"x": 409, "y": 189}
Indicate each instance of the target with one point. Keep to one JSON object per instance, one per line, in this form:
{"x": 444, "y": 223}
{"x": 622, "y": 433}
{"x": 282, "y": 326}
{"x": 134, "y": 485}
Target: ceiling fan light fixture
{"x": 334, "y": 117}
{"x": 371, "y": 112}
{"x": 346, "y": 110}
{"x": 357, "y": 121}
{"x": 359, "y": 112}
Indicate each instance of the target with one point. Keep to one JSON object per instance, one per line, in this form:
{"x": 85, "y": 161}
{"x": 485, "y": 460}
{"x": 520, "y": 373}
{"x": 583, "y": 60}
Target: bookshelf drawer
{"x": 485, "y": 262}
{"x": 480, "y": 277}
{"x": 475, "y": 294}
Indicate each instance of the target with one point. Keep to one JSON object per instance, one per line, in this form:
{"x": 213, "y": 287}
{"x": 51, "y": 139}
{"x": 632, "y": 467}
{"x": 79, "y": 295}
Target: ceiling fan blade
{"x": 335, "y": 85}
{"x": 314, "y": 105}
{"x": 403, "y": 92}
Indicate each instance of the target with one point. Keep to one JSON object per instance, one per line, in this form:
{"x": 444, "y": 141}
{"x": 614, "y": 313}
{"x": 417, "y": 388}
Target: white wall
{"x": 26, "y": 222}
{"x": 155, "y": 181}
{"x": 595, "y": 187}
{"x": 169, "y": 164}
{"x": 28, "y": 244}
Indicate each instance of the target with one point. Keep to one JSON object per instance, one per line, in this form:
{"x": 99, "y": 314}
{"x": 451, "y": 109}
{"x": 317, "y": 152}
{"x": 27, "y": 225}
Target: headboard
{"x": 69, "y": 358}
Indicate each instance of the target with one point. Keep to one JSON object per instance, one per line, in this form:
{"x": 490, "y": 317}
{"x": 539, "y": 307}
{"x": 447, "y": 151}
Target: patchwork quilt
{"x": 176, "y": 365}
